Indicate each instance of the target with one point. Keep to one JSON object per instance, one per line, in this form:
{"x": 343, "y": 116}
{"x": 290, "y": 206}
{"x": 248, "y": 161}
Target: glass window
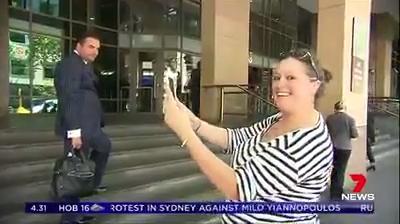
{"x": 124, "y": 80}
{"x": 19, "y": 101}
{"x": 267, "y": 42}
{"x": 46, "y": 52}
{"x": 147, "y": 41}
{"x": 275, "y": 9}
{"x": 107, "y": 37}
{"x": 52, "y": 7}
{"x": 125, "y": 15}
{"x": 19, "y": 56}
{"x": 105, "y": 68}
{"x": 289, "y": 14}
{"x": 77, "y": 30}
{"x": 191, "y": 19}
{"x": 304, "y": 25}
{"x": 256, "y": 6}
{"x": 147, "y": 72}
{"x": 79, "y": 10}
{"x": 277, "y": 26}
{"x": 67, "y": 47}
{"x": 256, "y": 18}
{"x": 19, "y": 68}
{"x": 19, "y": 3}
{"x": 256, "y": 38}
{"x": 124, "y": 40}
{"x": 105, "y": 13}
{"x": 172, "y": 41}
{"x": 290, "y": 31}
{"x": 147, "y": 16}
{"x": 192, "y": 45}
{"x": 18, "y": 37}
{"x": 47, "y": 25}
{"x": 19, "y": 19}
{"x": 267, "y": 8}
{"x": 171, "y": 16}
{"x": 288, "y": 42}
{"x": 275, "y": 44}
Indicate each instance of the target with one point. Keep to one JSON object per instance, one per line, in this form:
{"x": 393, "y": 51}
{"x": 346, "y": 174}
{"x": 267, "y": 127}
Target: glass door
{"x": 148, "y": 70}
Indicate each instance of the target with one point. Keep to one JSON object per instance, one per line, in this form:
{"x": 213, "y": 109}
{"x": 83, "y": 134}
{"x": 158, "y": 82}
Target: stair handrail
{"x": 257, "y": 96}
{"x": 388, "y": 105}
{"x": 384, "y": 98}
{"x": 241, "y": 87}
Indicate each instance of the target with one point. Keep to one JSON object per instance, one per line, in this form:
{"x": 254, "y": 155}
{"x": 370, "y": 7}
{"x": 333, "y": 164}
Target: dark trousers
{"x": 340, "y": 159}
{"x": 370, "y": 155}
{"x": 96, "y": 148}
{"x": 196, "y": 102}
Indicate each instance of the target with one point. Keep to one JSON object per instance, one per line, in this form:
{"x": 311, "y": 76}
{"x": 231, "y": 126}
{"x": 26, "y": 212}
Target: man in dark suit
{"x": 80, "y": 117}
{"x": 342, "y": 128}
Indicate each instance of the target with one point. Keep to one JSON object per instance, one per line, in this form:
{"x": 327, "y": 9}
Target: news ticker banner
{"x": 362, "y": 207}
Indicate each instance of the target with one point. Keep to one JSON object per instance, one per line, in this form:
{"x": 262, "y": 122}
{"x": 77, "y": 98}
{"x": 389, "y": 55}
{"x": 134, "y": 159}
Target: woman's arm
{"x": 213, "y": 134}
{"x": 216, "y": 170}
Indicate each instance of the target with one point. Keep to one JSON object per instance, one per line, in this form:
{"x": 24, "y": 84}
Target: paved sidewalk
{"x": 384, "y": 183}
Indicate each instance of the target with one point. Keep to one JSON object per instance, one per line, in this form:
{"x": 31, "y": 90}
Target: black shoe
{"x": 371, "y": 167}
{"x": 86, "y": 220}
{"x": 100, "y": 189}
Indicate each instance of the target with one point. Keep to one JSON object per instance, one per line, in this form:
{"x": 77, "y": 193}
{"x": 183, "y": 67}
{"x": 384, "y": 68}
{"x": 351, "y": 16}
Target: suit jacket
{"x": 342, "y": 129}
{"x": 79, "y": 105}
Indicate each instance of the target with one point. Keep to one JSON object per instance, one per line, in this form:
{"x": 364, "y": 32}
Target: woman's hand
{"x": 175, "y": 118}
{"x": 194, "y": 120}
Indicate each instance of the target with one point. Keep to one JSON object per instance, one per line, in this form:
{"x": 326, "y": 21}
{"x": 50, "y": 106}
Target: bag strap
{"x": 83, "y": 157}
{"x": 80, "y": 153}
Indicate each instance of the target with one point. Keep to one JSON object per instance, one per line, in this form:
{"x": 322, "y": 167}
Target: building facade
{"x": 138, "y": 38}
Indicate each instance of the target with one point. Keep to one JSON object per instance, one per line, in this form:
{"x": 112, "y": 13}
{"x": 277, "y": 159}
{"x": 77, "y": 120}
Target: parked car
{"x": 44, "y": 106}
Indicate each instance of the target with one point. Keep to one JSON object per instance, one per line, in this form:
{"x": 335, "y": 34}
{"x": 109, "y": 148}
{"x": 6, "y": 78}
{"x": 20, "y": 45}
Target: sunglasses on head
{"x": 304, "y": 56}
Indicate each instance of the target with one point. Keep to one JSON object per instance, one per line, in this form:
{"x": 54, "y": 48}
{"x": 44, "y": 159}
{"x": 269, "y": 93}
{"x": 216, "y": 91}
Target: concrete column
{"x": 224, "y": 41}
{"x": 4, "y": 64}
{"x": 383, "y": 54}
{"x": 334, "y": 49}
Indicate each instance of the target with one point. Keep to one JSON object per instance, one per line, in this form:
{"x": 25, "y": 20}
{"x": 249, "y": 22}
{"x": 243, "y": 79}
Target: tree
{"x": 45, "y": 50}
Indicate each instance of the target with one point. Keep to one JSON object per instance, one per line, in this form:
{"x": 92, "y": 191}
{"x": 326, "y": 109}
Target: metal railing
{"x": 386, "y": 105}
{"x": 144, "y": 99}
{"x": 256, "y": 104}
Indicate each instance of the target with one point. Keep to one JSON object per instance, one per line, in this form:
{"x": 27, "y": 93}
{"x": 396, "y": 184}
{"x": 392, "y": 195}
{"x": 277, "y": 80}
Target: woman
{"x": 286, "y": 157}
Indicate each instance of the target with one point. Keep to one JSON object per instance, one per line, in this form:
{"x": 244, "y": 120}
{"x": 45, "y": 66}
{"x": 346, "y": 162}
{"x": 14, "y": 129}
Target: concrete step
{"x": 213, "y": 195}
{"x": 42, "y": 170}
{"x": 212, "y": 220}
{"x": 14, "y": 196}
{"x": 177, "y": 189}
{"x": 13, "y": 137}
{"x": 382, "y": 137}
{"x": 208, "y": 195}
{"x": 382, "y": 146}
{"x": 161, "y": 191}
{"x": 36, "y": 152}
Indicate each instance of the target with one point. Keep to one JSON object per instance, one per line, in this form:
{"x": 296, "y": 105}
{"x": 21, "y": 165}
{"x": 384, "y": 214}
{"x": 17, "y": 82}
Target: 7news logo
{"x": 360, "y": 180}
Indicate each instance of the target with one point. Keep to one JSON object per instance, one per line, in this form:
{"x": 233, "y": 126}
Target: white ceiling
{"x": 378, "y": 6}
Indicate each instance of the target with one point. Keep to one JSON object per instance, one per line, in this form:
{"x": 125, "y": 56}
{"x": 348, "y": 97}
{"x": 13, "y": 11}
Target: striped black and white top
{"x": 293, "y": 167}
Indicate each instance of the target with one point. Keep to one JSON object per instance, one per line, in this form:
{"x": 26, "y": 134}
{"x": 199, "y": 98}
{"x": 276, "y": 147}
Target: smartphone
{"x": 170, "y": 84}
